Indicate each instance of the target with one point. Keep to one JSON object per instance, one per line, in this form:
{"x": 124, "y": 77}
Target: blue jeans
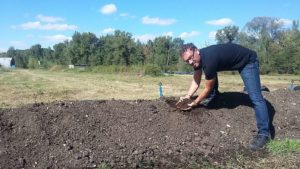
{"x": 250, "y": 76}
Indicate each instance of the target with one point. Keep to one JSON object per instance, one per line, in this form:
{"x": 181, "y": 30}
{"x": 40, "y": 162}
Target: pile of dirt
{"x": 139, "y": 133}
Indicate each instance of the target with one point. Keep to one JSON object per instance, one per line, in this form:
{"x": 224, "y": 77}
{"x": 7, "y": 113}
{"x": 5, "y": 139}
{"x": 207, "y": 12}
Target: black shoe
{"x": 259, "y": 142}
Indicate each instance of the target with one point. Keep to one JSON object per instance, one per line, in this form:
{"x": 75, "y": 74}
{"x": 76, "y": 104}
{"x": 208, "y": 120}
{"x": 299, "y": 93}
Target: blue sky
{"x": 24, "y": 23}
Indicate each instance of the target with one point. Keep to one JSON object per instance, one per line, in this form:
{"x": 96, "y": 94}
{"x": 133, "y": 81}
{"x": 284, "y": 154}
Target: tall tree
{"x": 227, "y": 35}
{"x": 59, "y": 53}
{"x": 138, "y": 56}
{"x": 118, "y": 48}
{"x": 36, "y": 51}
{"x": 265, "y": 31}
{"x": 82, "y": 46}
{"x": 11, "y": 52}
{"x": 148, "y": 51}
{"x": 161, "y": 46}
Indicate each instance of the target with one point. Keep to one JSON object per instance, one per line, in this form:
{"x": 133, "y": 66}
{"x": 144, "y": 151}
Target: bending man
{"x": 223, "y": 57}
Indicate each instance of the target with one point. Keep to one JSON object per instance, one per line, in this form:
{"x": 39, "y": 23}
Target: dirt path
{"x": 138, "y": 134}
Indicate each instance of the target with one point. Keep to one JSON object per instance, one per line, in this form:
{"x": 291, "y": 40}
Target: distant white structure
{"x": 5, "y": 62}
{"x": 71, "y": 66}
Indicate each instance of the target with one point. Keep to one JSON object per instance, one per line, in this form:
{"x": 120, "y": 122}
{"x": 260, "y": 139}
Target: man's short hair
{"x": 185, "y": 47}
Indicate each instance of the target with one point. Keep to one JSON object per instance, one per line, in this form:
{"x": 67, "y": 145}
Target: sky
{"x": 24, "y": 23}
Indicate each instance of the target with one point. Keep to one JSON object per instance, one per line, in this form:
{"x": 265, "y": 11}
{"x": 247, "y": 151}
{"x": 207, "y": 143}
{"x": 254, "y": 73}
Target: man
{"x": 222, "y": 57}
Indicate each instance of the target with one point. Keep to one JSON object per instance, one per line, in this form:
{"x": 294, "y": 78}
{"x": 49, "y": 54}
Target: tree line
{"x": 277, "y": 45}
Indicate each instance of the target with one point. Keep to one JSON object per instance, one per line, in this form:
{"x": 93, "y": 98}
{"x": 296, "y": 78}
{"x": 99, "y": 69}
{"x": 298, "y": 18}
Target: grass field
{"x": 22, "y": 86}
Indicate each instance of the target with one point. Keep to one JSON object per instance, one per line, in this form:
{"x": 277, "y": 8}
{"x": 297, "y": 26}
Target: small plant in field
{"x": 284, "y": 146}
{"x": 103, "y": 166}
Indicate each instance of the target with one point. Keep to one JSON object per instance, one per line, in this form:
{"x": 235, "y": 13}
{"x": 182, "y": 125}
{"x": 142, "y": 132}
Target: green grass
{"x": 284, "y": 146}
{"x": 21, "y": 86}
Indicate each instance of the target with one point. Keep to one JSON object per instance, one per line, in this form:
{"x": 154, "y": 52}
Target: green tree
{"x": 138, "y": 56}
{"x": 11, "y": 52}
{"x": 36, "y": 51}
{"x": 123, "y": 45}
{"x": 82, "y": 47}
{"x": 97, "y": 57}
{"x": 161, "y": 47}
{"x": 148, "y": 51}
{"x": 287, "y": 57}
{"x": 118, "y": 48}
{"x": 20, "y": 56}
{"x": 33, "y": 63}
{"x": 227, "y": 35}
{"x": 59, "y": 54}
{"x": 265, "y": 32}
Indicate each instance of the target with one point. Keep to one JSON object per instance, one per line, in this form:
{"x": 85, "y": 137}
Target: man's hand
{"x": 183, "y": 98}
{"x": 190, "y": 106}
{"x": 193, "y": 104}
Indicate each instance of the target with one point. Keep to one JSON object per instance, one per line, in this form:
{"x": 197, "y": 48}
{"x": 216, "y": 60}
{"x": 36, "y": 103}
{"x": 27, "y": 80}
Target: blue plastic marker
{"x": 291, "y": 86}
{"x": 160, "y": 89}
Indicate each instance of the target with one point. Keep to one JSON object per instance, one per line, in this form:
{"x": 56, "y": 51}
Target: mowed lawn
{"x": 23, "y": 86}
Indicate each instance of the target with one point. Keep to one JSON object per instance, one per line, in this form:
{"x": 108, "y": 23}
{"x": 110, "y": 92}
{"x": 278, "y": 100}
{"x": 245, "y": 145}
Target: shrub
{"x": 153, "y": 70}
{"x": 55, "y": 68}
{"x": 183, "y": 67}
{"x": 265, "y": 69}
{"x": 33, "y": 63}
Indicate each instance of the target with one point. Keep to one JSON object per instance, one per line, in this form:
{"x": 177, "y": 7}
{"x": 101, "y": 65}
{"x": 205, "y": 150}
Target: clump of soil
{"x": 138, "y": 133}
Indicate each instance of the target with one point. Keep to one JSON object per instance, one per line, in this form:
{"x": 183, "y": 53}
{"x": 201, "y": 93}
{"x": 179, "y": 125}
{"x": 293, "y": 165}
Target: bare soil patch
{"x": 139, "y": 133}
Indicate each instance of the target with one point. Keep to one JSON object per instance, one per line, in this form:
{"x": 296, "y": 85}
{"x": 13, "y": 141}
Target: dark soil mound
{"x": 137, "y": 134}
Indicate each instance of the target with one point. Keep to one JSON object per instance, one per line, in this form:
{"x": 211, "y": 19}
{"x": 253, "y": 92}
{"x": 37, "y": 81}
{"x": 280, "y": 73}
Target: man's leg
{"x": 250, "y": 76}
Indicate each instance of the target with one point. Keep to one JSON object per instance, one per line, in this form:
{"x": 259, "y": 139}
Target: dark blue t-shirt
{"x": 224, "y": 57}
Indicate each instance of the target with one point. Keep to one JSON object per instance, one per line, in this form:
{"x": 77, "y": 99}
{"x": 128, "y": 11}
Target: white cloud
{"x": 56, "y": 38}
{"x": 157, "y": 21}
{"x": 220, "y": 22}
{"x": 212, "y": 34}
{"x": 189, "y": 34}
{"x": 48, "y": 26}
{"x": 48, "y": 19}
{"x": 285, "y": 22}
{"x": 108, "y": 30}
{"x": 144, "y": 38}
{"x": 31, "y": 25}
{"x": 168, "y": 34}
{"x": 108, "y": 9}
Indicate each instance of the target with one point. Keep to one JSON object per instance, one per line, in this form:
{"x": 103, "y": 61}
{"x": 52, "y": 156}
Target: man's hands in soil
{"x": 190, "y": 106}
{"x": 183, "y": 98}
{"x": 185, "y": 104}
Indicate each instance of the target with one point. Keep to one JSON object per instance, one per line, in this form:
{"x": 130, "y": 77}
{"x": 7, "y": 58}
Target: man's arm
{"x": 209, "y": 85}
{"x": 195, "y": 83}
